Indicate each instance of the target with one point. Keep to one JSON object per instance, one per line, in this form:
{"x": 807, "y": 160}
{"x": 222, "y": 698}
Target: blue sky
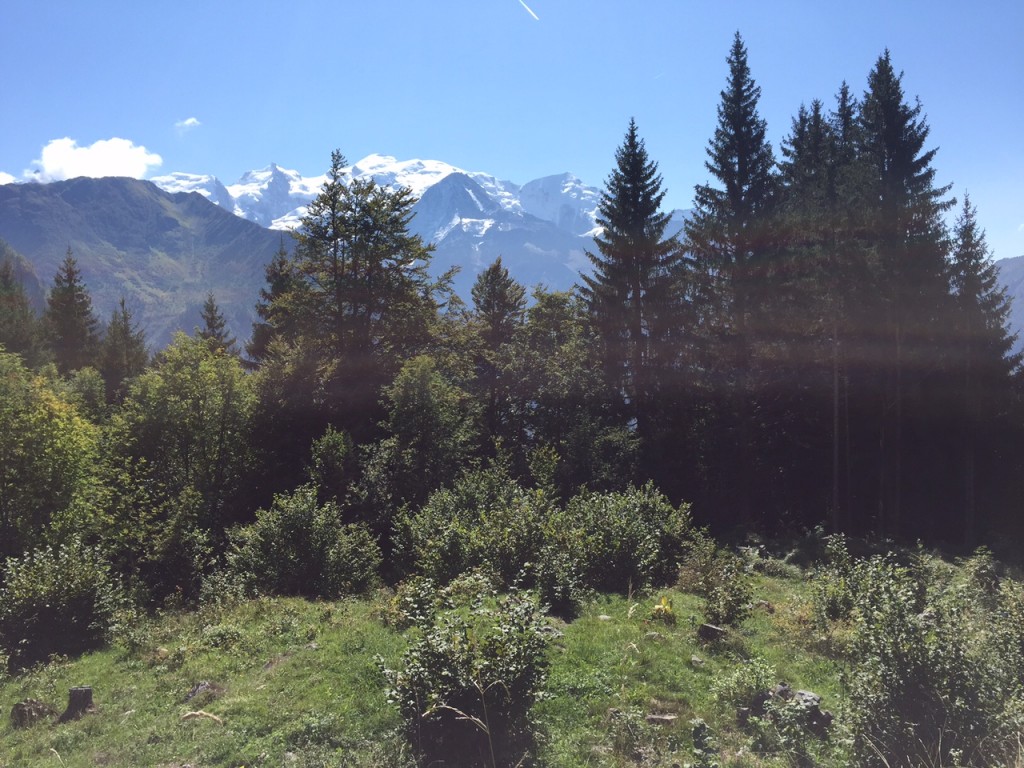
{"x": 489, "y": 85}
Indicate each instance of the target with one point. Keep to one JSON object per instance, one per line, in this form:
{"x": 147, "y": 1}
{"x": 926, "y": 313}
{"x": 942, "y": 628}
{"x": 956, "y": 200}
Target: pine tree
{"x": 499, "y": 304}
{"x": 355, "y": 298}
{"x": 71, "y": 327}
{"x": 982, "y": 353}
{"x": 629, "y": 293}
{"x": 277, "y": 316}
{"x": 731, "y": 242}
{"x": 123, "y": 354}
{"x": 19, "y": 332}
{"x": 909, "y": 239}
{"x": 215, "y": 327}
{"x": 499, "y": 307}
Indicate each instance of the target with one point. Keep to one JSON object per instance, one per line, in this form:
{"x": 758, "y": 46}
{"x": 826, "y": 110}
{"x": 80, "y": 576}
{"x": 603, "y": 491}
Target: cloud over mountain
{"x": 64, "y": 158}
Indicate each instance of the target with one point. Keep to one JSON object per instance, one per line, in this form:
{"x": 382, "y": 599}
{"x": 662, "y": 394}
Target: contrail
{"x": 528, "y": 10}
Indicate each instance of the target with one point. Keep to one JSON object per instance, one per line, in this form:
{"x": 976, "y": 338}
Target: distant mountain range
{"x": 163, "y": 252}
{"x": 164, "y": 243}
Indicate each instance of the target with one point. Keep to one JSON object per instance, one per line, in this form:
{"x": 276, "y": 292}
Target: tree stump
{"x": 709, "y": 633}
{"x": 79, "y": 702}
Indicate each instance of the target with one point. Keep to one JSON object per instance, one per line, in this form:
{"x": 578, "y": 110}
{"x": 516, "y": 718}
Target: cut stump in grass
{"x": 709, "y": 633}
{"x": 79, "y": 703}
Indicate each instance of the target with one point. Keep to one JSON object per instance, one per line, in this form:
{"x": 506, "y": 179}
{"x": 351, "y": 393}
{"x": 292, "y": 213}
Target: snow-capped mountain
{"x": 541, "y": 229}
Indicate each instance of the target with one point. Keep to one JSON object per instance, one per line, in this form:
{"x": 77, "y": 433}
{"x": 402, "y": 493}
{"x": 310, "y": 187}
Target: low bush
{"x": 622, "y": 540}
{"x": 468, "y": 682}
{"x": 300, "y": 547}
{"x": 58, "y": 600}
{"x": 935, "y": 657}
{"x": 611, "y": 542}
{"x": 485, "y": 520}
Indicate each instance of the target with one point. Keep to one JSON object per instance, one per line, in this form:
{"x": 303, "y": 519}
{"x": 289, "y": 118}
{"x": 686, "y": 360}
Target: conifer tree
{"x": 274, "y": 308}
{"x": 499, "y": 307}
{"x": 982, "y": 353}
{"x": 19, "y": 331}
{"x": 909, "y": 238}
{"x": 71, "y": 327}
{"x": 730, "y": 239}
{"x": 629, "y": 293}
{"x": 215, "y": 327}
{"x": 123, "y": 354}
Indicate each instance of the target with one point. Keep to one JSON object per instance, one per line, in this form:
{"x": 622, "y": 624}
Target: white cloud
{"x": 6, "y": 178}
{"x": 65, "y": 159}
{"x": 188, "y": 124}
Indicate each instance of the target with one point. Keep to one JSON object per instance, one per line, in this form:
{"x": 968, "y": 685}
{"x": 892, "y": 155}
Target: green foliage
{"x": 185, "y": 425}
{"x": 629, "y": 296}
{"x": 484, "y": 520}
{"x": 332, "y": 466}
{"x": 20, "y": 330}
{"x": 720, "y": 577}
{"x": 467, "y": 684}
{"x": 610, "y": 542}
{"x": 428, "y": 447}
{"x": 705, "y": 745}
{"x": 57, "y": 600}
{"x": 215, "y": 326}
{"x": 47, "y": 456}
{"x": 560, "y": 399}
{"x": 744, "y": 684}
{"x": 621, "y": 541}
{"x": 935, "y": 654}
{"x": 300, "y": 547}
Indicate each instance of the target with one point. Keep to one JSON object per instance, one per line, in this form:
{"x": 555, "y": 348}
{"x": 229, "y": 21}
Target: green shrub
{"x": 727, "y": 600}
{"x": 298, "y": 547}
{"x": 468, "y": 682}
{"x": 622, "y": 540}
{"x": 57, "y": 600}
{"x": 484, "y": 520}
{"x": 834, "y": 586}
{"x": 599, "y": 541}
{"x": 744, "y": 684}
{"x": 936, "y": 675}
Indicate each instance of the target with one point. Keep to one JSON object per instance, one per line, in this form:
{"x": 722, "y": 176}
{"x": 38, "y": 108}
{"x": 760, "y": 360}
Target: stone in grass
{"x": 27, "y": 713}
{"x": 211, "y": 691}
{"x": 656, "y": 719}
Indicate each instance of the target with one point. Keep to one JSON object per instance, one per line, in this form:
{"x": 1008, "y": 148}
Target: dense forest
{"x": 818, "y": 347}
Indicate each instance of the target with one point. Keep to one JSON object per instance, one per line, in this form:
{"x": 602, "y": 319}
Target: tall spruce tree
{"x": 730, "y": 239}
{"x": 71, "y": 326}
{"x": 909, "y": 239}
{"x": 983, "y": 358}
{"x": 628, "y": 294}
{"x": 123, "y": 354}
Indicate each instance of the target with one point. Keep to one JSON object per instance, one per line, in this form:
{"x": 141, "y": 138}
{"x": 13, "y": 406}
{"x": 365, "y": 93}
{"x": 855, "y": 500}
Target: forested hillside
{"x": 818, "y": 348}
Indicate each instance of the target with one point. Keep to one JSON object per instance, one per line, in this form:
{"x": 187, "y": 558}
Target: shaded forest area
{"x": 816, "y": 348}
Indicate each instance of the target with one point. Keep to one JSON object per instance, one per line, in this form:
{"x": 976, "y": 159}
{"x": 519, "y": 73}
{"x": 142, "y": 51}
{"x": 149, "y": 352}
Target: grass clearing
{"x": 297, "y": 682}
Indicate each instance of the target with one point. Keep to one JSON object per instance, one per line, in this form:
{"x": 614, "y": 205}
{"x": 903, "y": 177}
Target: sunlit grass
{"x": 294, "y": 682}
